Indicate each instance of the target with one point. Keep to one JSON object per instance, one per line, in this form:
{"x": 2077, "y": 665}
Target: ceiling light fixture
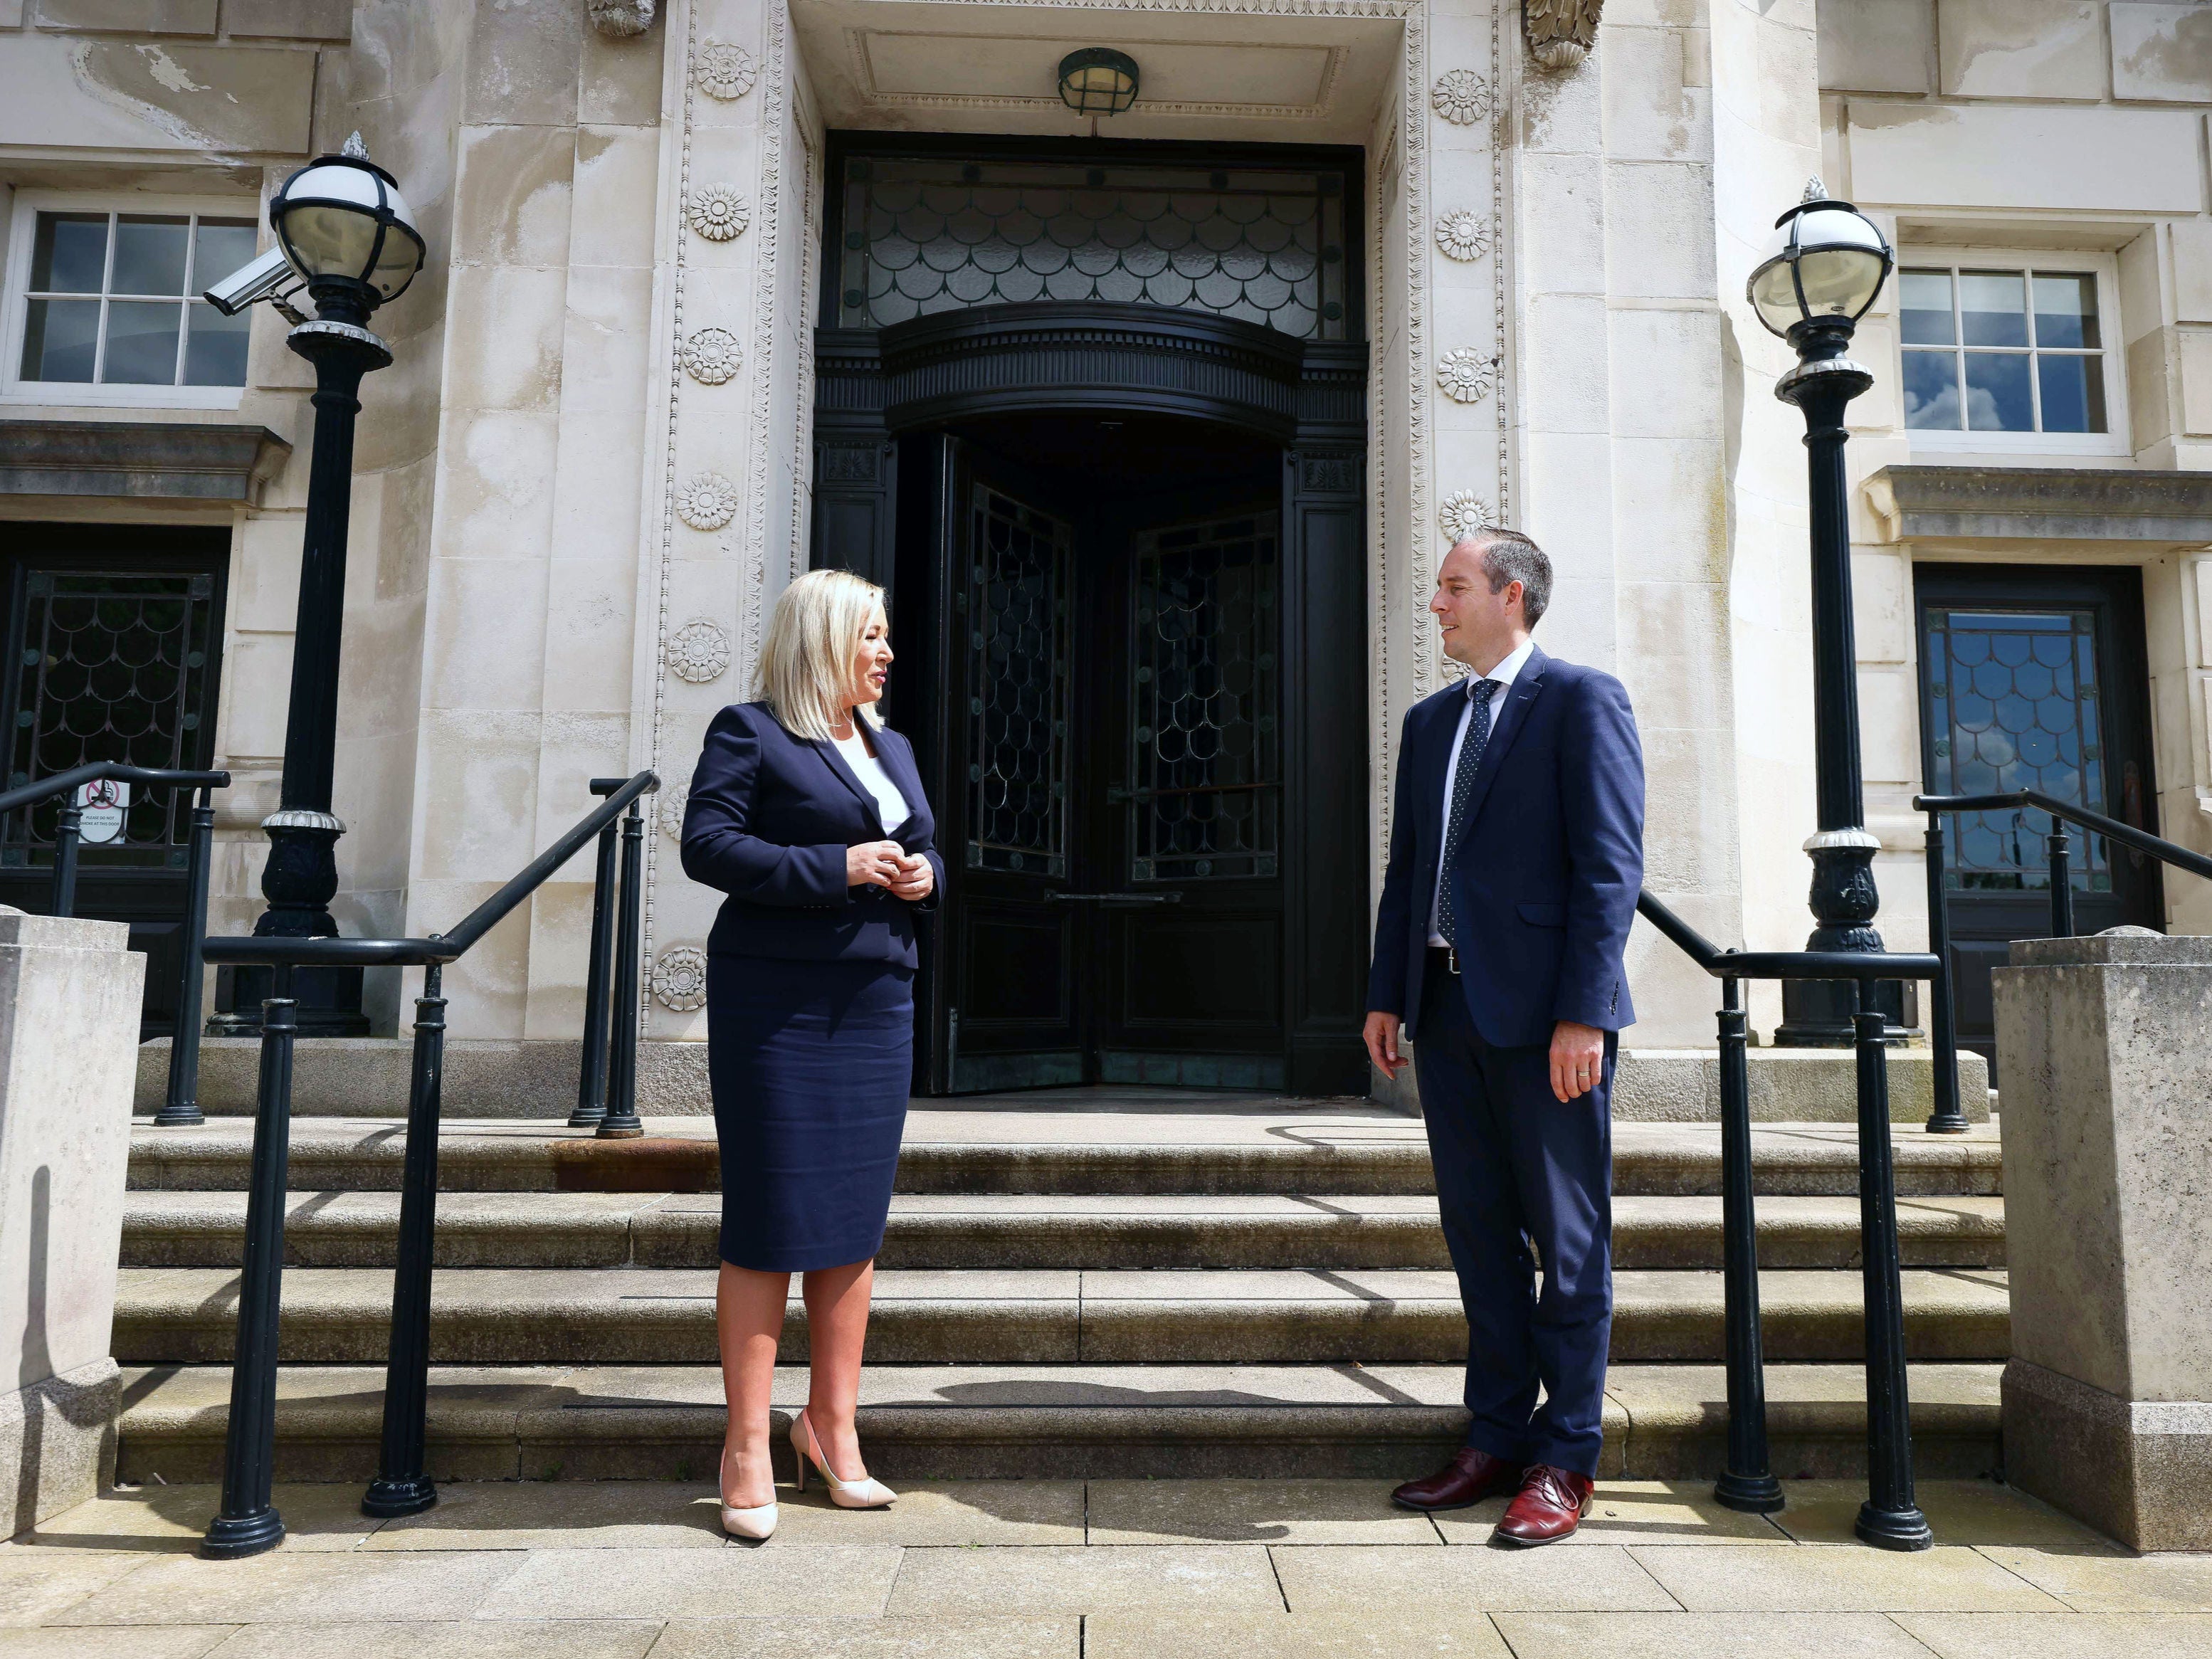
{"x": 1098, "y": 81}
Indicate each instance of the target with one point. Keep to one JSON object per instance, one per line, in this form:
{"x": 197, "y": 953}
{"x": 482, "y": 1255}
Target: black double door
{"x": 115, "y": 639}
{"x": 2033, "y": 677}
{"x": 1102, "y": 694}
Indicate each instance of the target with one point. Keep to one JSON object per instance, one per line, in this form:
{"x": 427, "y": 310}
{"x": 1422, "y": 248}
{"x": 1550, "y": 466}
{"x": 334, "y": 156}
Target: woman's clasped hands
{"x": 886, "y": 864}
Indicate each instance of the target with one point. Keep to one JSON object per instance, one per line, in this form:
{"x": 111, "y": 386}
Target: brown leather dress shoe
{"x": 1469, "y": 1478}
{"x": 1552, "y": 1504}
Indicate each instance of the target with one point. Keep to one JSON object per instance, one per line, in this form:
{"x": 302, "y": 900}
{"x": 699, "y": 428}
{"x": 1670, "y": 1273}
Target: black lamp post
{"x": 1824, "y": 268}
{"x": 347, "y": 232}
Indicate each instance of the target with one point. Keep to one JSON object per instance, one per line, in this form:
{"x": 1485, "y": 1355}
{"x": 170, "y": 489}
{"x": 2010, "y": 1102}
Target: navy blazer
{"x": 1551, "y": 863}
{"x": 770, "y": 817}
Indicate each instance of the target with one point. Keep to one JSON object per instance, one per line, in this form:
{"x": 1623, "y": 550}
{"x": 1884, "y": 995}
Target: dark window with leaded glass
{"x": 1207, "y": 695}
{"x": 2013, "y": 703}
{"x": 937, "y": 232}
{"x": 1015, "y": 611}
{"x": 111, "y": 665}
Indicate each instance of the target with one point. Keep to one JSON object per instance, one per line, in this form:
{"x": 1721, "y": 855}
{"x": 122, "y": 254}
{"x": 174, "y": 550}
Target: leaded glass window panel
{"x": 931, "y": 233}
{"x": 2013, "y": 703}
{"x": 112, "y": 667}
{"x": 1205, "y": 735}
{"x": 1015, "y": 609}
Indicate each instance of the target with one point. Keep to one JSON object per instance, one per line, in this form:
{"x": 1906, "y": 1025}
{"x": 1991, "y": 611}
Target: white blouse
{"x": 892, "y": 807}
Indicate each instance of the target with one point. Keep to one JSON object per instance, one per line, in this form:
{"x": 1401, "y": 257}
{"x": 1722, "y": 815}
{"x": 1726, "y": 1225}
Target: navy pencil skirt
{"x": 810, "y": 1064}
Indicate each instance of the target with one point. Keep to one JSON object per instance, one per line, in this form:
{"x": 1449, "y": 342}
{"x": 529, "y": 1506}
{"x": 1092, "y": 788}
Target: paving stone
{"x": 1633, "y": 1512}
{"x": 317, "y": 1517}
{"x": 38, "y": 1585}
{"x": 1315, "y": 1579}
{"x": 489, "y": 1514}
{"x": 306, "y": 1587}
{"x": 1219, "y": 1577}
{"x": 2098, "y": 1580}
{"x": 1251, "y": 1512}
{"x": 1707, "y": 1636}
{"x": 105, "y": 1642}
{"x": 2061, "y": 1636}
{"x": 478, "y": 1638}
{"x": 1347, "y": 1633}
{"x": 1839, "y": 1578}
{"x": 940, "y": 1512}
{"x": 872, "y": 1638}
{"x": 1969, "y": 1512}
{"x": 732, "y": 1582}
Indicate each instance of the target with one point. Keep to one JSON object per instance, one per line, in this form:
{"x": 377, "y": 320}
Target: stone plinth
{"x": 68, "y": 1027}
{"x": 2105, "y": 1045}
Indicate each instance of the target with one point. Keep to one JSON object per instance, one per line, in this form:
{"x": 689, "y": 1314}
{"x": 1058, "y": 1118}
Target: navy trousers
{"x": 1515, "y": 1167}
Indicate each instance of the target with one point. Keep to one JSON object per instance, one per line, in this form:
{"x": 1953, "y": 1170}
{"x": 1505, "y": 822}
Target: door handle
{"x": 1113, "y": 899}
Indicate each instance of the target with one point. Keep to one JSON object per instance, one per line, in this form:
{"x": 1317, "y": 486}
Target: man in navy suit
{"x": 1517, "y": 851}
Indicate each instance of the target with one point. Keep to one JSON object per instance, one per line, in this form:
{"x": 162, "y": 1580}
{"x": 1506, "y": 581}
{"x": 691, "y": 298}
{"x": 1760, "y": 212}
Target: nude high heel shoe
{"x": 845, "y": 1494}
{"x": 757, "y": 1524}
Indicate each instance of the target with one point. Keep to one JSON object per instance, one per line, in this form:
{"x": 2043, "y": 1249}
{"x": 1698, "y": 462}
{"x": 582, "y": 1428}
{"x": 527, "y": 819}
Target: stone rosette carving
{"x": 1462, "y": 233}
{"x": 619, "y": 19}
{"x": 712, "y": 355}
{"x": 1560, "y": 33}
{"x": 1461, "y": 96}
{"x": 669, "y": 806}
{"x": 1462, "y": 514}
{"x": 725, "y": 72}
{"x": 708, "y": 502}
{"x": 679, "y": 979}
{"x": 699, "y": 651}
{"x": 718, "y": 213}
{"x": 1466, "y": 375}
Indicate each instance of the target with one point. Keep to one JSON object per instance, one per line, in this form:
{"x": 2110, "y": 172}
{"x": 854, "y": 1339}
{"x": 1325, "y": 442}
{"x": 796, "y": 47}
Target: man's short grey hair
{"x": 1510, "y": 557}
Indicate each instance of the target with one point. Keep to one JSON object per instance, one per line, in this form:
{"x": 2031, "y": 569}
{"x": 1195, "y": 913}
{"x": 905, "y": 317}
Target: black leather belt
{"x": 1450, "y": 954}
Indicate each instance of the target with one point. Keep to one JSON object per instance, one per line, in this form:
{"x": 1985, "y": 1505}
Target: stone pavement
{"x": 1097, "y": 1570}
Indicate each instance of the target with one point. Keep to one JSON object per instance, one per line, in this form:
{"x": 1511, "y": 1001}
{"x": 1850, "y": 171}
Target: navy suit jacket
{"x": 1551, "y": 863}
{"x": 769, "y": 820}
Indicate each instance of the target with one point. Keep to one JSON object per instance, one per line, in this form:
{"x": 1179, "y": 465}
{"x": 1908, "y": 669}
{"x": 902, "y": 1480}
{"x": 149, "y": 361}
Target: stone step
{"x": 195, "y": 1229}
{"x": 1026, "y": 1317}
{"x": 1365, "y": 1153}
{"x": 665, "y": 1422}
{"x": 516, "y": 1079}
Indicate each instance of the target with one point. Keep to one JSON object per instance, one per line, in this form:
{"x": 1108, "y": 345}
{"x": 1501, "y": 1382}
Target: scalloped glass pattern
{"x": 1206, "y": 710}
{"x": 2013, "y": 703}
{"x": 927, "y": 235}
{"x": 1015, "y": 607}
{"x": 111, "y": 666}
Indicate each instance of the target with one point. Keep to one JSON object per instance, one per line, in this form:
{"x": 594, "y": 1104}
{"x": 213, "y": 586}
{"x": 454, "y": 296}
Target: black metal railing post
{"x": 182, "y": 1107}
{"x": 248, "y": 1522}
{"x": 1889, "y": 1519}
{"x": 1747, "y": 1483}
{"x": 2059, "y": 847}
{"x": 68, "y": 833}
{"x": 591, "y": 1074}
{"x": 402, "y": 1487}
{"x": 1945, "y": 1117}
{"x": 622, "y": 1122}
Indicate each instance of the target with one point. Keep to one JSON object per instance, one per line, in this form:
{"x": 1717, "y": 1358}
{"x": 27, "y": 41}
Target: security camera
{"x": 268, "y": 277}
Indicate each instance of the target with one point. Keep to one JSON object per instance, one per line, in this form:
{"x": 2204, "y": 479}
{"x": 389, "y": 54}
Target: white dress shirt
{"x": 892, "y": 807}
{"x": 1501, "y": 677}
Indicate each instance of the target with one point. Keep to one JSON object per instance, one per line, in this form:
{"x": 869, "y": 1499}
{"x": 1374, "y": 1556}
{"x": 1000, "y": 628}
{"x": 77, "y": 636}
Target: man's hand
{"x": 914, "y": 878}
{"x": 1381, "y": 1034}
{"x": 1577, "y": 1057}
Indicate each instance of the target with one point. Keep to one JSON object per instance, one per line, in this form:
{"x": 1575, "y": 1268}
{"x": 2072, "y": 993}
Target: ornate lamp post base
{"x": 299, "y": 881}
{"x": 1818, "y": 1013}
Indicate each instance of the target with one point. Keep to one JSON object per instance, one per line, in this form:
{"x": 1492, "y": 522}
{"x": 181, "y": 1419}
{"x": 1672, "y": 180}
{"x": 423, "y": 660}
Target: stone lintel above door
{"x": 2145, "y": 509}
{"x": 139, "y": 460}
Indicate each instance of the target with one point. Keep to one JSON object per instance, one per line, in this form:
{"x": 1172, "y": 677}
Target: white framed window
{"x": 103, "y": 306}
{"x": 2005, "y": 351}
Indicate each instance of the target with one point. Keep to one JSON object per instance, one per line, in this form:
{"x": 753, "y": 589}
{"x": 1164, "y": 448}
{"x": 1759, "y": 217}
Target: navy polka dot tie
{"x": 1470, "y": 763}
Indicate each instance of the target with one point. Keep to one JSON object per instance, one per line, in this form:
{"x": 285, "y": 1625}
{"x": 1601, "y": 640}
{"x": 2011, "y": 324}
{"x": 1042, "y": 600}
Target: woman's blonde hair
{"x": 805, "y": 671}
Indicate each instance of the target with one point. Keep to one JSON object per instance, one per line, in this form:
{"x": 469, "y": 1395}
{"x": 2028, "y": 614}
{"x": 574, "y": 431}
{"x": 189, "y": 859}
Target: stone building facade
{"x": 634, "y": 376}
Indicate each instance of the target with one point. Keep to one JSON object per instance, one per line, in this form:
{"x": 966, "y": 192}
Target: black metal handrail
{"x": 1947, "y": 1117}
{"x": 1890, "y": 1517}
{"x": 181, "y": 1103}
{"x": 248, "y": 1522}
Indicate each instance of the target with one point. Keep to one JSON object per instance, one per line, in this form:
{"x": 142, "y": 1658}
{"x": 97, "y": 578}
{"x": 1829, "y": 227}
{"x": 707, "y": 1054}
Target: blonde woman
{"x": 809, "y": 814}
